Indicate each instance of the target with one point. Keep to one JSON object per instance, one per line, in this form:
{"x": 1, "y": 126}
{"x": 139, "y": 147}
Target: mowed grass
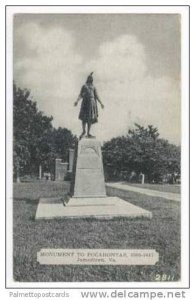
{"x": 168, "y": 188}
{"x": 161, "y": 233}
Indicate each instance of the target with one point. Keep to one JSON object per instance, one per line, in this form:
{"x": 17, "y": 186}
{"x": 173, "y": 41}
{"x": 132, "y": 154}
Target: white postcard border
{"x": 183, "y": 10}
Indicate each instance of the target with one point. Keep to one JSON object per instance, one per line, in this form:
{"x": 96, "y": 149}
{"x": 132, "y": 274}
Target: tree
{"x": 36, "y": 142}
{"x": 29, "y": 125}
{"x": 141, "y": 150}
{"x": 56, "y": 144}
{"x": 63, "y": 140}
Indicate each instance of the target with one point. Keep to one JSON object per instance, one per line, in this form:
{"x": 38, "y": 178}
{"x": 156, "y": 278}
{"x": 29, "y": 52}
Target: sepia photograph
{"x": 96, "y": 113}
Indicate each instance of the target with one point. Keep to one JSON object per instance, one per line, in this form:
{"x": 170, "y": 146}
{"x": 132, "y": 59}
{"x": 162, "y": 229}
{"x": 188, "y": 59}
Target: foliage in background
{"x": 36, "y": 141}
{"x": 141, "y": 151}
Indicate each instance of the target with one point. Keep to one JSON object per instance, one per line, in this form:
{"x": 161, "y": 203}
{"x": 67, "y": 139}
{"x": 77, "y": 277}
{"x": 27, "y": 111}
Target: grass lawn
{"x": 161, "y": 233}
{"x": 158, "y": 187}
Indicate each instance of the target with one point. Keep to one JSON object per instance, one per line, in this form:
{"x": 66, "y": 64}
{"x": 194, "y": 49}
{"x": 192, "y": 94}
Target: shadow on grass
{"x": 27, "y": 201}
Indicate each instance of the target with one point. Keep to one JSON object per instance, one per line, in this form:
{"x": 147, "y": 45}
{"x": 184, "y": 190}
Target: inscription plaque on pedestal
{"x": 89, "y": 174}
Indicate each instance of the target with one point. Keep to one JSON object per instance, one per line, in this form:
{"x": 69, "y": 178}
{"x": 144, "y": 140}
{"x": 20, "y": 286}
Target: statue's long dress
{"x": 89, "y": 110}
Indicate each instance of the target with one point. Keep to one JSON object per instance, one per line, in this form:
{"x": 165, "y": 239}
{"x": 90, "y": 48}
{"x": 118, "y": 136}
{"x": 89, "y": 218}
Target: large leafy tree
{"x": 140, "y": 151}
{"x": 63, "y": 140}
{"x": 30, "y": 127}
{"x": 56, "y": 145}
{"x": 36, "y": 142}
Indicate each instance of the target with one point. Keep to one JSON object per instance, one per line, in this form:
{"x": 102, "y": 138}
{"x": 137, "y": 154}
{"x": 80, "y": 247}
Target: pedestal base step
{"x": 95, "y": 208}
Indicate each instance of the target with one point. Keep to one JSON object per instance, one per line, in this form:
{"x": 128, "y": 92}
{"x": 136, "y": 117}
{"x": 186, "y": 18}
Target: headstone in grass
{"x": 71, "y": 160}
{"x": 60, "y": 170}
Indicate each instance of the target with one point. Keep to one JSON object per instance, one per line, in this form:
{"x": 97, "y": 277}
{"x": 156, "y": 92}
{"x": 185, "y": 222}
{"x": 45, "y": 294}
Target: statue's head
{"x": 90, "y": 78}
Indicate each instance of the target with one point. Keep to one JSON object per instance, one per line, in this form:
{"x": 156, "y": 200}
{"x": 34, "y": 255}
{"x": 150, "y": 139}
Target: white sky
{"x": 136, "y": 64}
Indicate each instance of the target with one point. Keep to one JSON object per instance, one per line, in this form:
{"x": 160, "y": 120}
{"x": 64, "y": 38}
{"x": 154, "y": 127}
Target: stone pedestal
{"x": 88, "y": 191}
{"x": 89, "y": 174}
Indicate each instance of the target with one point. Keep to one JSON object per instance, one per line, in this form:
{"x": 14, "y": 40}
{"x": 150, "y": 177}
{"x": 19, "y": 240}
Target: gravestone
{"x": 40, "y": 172}
{"x": 60, "y": 170}
{"x": 71, "y": 160}
{"x": 89, "y": 174}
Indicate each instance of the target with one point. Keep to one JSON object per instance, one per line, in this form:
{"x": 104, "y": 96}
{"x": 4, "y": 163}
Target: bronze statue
{"x": 89, "y": 110}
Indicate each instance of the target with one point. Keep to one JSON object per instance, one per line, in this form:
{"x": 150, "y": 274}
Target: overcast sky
{"x": 135, "y": 59}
